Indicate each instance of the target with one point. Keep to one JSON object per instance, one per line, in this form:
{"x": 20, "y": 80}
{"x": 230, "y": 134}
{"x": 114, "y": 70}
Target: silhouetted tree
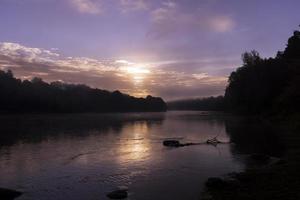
{"x": 267, "y": 85}
{"x": 39, "y": 96}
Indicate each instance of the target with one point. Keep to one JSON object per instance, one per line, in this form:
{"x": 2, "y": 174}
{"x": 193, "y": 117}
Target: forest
{"x": 37, "y": 96}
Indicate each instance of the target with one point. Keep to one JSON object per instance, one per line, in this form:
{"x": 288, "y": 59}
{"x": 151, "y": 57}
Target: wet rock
{"x": 118, "y": 194}
{"x": 172, "y": 143}
{"x": 7, "y": 194}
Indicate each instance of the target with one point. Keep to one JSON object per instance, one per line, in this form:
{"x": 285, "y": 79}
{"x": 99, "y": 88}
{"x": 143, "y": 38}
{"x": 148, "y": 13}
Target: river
{"x": 85, "y": 156}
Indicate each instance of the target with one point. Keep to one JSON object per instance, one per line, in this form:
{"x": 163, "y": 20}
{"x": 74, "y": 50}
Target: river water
{"x": 85, "y": 156}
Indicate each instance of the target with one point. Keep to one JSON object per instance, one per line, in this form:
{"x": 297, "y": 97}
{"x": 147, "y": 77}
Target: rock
{"x": 7, "y": 194}
{"x": 215, "y": 183}
{"x": 118, "y": 194}
{"x": 172, "y": 143}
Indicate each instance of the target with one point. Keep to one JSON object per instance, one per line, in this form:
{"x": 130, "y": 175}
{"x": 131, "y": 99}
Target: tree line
{"x": 267, "y": 85}
{"x": 204, "y": 104}
{"x": 260, "y": 85}
{"x": 57, "y": 97}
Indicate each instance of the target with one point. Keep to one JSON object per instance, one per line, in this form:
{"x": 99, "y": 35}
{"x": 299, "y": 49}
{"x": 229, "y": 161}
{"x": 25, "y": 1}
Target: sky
{"x": 170, "y": 48}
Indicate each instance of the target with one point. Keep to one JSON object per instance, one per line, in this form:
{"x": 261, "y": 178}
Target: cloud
{"x": 139, "y": 79}
{"x": 26, "y": 59}
{"x": 87, "y": 6}
{"x": 165, "y": 20}
{"x": 133, "y": 5}
{"x": 222, "y": 23}
{"x": 173, "y": 19}
{"x": 176, "y": 85}
{"x": 97, "y": 6}
{"x": 18, "y": 52}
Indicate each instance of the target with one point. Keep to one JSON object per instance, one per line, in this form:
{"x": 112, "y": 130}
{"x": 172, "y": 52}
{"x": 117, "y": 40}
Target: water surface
{"x": 84, "y": 156}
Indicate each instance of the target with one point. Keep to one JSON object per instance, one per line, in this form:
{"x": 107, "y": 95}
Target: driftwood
{"x": 213, "y": 141}
{"x": 175, "y": 143}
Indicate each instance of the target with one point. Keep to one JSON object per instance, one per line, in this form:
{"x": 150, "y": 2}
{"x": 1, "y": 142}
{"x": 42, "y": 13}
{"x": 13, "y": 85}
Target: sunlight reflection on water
{"x": 86, "y": 156}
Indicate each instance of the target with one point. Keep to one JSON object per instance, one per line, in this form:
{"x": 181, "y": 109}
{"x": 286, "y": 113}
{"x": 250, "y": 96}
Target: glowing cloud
{"x": 137, "y": 70}
{"x": 138, "y": 79}
{"x": 222, "y": 23}
{"x": 87, "y": 6}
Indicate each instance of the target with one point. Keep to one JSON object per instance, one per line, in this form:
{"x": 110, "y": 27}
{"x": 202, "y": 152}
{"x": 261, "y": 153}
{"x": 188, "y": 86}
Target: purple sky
{"x": 174, "y": 49}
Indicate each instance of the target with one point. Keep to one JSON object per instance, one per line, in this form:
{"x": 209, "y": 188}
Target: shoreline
{"x": 272, "y": 181}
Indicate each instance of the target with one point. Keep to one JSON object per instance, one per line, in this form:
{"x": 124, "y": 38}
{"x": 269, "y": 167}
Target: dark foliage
{"x": 39, "y": 96}
{"x": 267, "y": 85}
{"x": 205, "y": 104}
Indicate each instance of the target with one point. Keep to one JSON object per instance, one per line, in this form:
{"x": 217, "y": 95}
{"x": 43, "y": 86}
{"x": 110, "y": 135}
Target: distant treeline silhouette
{"x": 57, "y": 97}
{"x": 269, "y": 85}
{"x": 205, "y": 104}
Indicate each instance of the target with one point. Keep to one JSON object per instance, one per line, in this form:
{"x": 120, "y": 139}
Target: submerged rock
{"x": 7, "y": 194}
{"x": 118, "y": 194}
{"x": 172, "y": 143}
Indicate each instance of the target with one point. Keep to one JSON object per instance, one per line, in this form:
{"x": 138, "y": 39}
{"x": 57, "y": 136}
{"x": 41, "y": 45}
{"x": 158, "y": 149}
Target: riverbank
{"x": 277, "y": 181}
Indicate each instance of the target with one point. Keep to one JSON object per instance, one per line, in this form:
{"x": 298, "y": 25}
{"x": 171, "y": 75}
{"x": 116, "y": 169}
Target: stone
{"x": 118, "y": 194}
{"x": 172, "y": 143}
{"x": 7, "y": 194}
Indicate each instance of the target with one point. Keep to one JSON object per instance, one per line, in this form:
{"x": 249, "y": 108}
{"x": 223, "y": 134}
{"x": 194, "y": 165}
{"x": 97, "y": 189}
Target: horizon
{"x": 141, "y": 47}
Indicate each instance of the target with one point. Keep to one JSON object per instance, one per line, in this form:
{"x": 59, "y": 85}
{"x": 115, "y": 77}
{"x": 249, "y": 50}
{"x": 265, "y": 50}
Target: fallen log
{"x": 175, "y": 143}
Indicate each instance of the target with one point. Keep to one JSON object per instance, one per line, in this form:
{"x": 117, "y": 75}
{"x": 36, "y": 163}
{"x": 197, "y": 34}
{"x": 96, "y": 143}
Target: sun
{"x": 137, "y": 71}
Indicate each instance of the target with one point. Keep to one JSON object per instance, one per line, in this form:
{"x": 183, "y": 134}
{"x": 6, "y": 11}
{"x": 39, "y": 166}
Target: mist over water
{"x": 85, "y": 156}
